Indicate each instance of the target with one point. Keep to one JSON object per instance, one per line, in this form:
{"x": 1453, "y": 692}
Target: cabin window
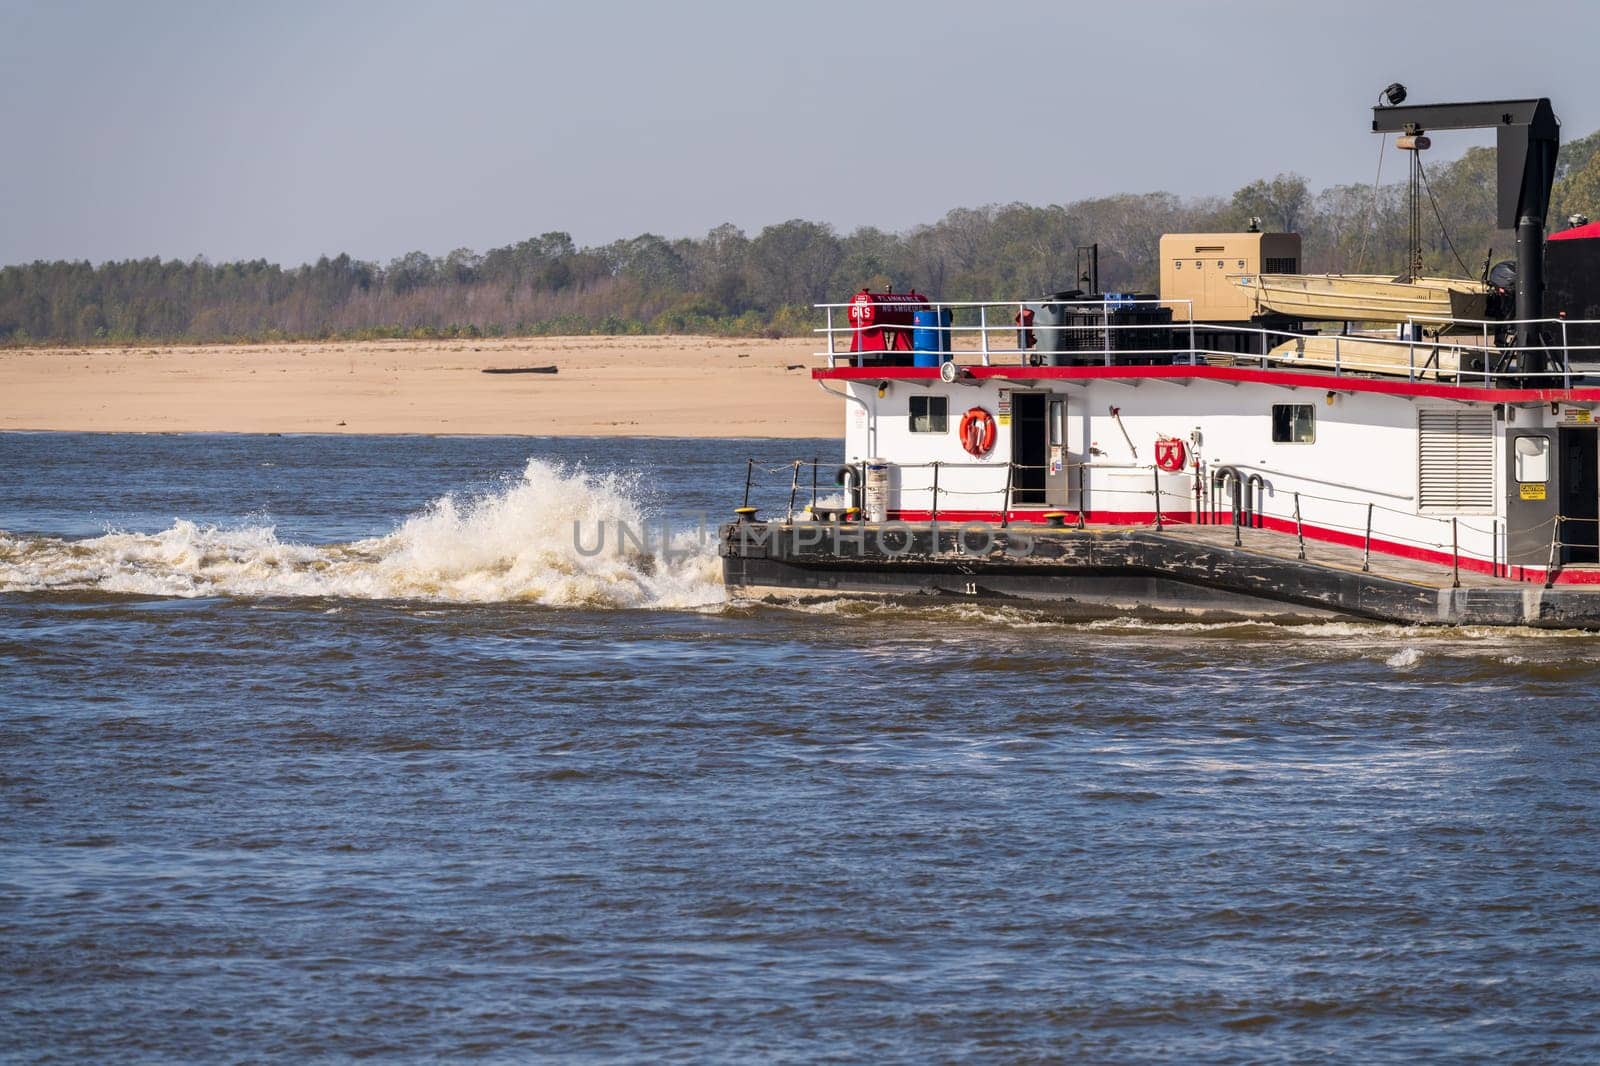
{"x": 930, "y": 414}
{"x": 1533, "y": 460}
{"x": 1455, "y": 460}
{"x": 1294, "y": 423}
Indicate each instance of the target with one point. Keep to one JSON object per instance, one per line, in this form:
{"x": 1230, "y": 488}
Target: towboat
{"x": 1203, "y": 451}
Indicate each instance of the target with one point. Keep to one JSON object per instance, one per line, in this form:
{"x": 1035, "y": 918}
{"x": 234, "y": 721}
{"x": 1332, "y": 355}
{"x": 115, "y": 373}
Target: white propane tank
{"x": 875, "y": 500}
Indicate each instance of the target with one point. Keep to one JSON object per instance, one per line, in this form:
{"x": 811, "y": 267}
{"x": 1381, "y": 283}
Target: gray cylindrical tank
{"x": 1051, "y": 317}
{"x": 875, "y": 505}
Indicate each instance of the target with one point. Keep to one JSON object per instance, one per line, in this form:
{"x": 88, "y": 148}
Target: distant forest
{"x": 733, "y": 284}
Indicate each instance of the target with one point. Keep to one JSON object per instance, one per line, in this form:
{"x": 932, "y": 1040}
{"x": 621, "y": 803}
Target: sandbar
{"x": 659, "y": 386}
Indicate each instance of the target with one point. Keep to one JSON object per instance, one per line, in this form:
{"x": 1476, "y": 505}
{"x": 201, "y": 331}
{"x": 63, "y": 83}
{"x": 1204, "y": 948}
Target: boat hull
{"x": 1184, "y": 571}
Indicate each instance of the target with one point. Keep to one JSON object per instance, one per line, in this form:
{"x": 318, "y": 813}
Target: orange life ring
{"x": 1171, "y": 454}
{"x": 977, "y": 432}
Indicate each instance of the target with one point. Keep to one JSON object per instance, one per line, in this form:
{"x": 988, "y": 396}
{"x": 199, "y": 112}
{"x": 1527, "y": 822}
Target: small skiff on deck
{"x": 1366, "y": 297}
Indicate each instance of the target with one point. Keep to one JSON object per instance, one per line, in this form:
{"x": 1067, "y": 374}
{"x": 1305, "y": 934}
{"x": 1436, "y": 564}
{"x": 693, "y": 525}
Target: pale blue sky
{"x": 290, "y": 130}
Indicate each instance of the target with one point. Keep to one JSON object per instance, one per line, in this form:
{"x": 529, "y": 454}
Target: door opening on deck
{"x": 1028, "y": 446}
{"x": 1579, "y": 470}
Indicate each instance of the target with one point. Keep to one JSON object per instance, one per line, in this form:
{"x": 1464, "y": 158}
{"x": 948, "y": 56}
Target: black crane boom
{"x": 1527, "y": 141}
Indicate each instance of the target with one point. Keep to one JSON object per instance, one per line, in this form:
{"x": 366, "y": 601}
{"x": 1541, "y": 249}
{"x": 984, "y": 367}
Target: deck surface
{"x": 1318, "y": 553}
{"x": 1138, "y": 566}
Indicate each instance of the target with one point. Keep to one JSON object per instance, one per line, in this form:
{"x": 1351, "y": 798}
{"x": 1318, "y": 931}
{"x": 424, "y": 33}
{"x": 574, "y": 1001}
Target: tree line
{"x": 733, "y": 284}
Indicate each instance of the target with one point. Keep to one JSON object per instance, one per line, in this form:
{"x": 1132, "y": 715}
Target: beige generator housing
{"x": 1205, "y": 267}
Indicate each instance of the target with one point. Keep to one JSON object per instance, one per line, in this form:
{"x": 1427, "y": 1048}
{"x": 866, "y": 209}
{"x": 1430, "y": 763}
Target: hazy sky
{"x": 288, "y": 130}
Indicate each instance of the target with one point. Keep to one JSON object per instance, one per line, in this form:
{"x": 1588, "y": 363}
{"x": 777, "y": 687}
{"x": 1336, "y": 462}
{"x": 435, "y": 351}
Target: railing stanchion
{"x": 1566, "y": 358}
{"x": 933, "y": 510}
{"x": 1366, "y": 552}
{"x": 1005, "y": 502}
{"x": 1235, "y": 488}
{"x": 794, "y": 490}
{"x": 1299, "y": 529}
{"x": 830, "y": 338}
{"x": 1155, "y": 474}
{"x": 983, "y": 332}
{"x": 749, "y": 472}
{"x": 815, "y": 462}
{"x": 1455, "y": 554}
{"x": 1194, "y": 357}
{"x": 1083, "y": 518}
{"x": 1555, "y": 542}
{"x": 1494, "y": 548}
{"x": 1105, "y": 325}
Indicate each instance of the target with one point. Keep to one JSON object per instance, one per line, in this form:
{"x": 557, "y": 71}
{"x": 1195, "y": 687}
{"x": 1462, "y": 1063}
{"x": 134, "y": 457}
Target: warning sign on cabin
{"x": 1531, "y": 490}
{"x": 1576, "y": 416}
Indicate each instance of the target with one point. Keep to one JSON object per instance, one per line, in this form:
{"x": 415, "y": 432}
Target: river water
{"x": 332, "y": 747}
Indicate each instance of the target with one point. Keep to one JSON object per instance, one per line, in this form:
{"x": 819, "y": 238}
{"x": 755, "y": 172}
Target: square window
{"x": 1294, "y": 423}
{"x": 929, "y": 414}
{"x": 1533, "y": 459}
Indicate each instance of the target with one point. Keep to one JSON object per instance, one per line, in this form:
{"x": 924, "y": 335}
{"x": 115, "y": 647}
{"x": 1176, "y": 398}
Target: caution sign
{"x": 1576, "y": 416}
{"x": 1531, "y": 490}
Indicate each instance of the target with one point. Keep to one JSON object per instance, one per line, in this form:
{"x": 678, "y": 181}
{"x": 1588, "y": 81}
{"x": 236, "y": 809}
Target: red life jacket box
{"x": 882, "y": 321}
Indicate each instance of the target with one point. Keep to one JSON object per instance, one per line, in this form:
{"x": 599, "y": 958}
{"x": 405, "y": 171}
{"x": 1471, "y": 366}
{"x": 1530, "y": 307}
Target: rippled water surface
{"x": 339, "y": 747}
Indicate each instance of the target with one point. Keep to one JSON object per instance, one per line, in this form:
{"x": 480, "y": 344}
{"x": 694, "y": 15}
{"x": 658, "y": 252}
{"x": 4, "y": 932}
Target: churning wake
{"x": 536, "y": 540}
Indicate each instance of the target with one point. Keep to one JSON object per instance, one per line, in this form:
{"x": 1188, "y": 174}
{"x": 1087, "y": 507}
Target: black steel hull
{"x": 1180, "y": 572}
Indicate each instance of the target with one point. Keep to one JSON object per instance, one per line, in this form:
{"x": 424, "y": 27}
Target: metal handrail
{"x": 1440, "y": 342}
{"x": 1249, "y": 498}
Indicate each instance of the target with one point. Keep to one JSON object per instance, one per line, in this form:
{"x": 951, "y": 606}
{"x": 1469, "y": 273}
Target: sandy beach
{"x": 605, "y": 386}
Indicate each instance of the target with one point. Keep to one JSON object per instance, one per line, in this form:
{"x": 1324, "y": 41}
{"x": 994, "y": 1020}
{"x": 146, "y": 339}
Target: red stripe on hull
{"x": 1267, "y": 522}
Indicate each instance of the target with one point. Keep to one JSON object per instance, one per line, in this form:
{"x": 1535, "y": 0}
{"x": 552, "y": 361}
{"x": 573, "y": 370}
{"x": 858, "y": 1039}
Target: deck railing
{"x": 1241, "y": 495}
{"x": 1462, "y": 350}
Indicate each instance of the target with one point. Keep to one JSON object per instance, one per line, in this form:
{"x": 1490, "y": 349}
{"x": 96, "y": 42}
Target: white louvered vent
{"x": 1456, "y": 459}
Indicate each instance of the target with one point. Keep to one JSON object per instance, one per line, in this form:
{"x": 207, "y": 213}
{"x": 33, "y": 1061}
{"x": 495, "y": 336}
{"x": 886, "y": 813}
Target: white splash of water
{"x": 534, "y": 541}
{"x": 1404, "y": 659}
